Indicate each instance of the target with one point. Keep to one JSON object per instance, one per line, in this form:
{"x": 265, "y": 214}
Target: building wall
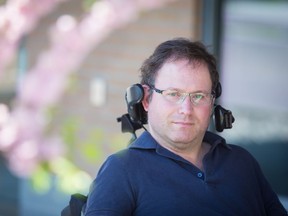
{"x": 116, "y": 61}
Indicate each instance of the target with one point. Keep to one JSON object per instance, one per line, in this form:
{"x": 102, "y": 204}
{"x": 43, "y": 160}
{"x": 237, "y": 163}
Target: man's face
{"x": 179, "y": 125}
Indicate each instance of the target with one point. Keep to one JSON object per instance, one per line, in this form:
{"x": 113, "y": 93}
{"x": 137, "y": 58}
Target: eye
{"x": 172, "y": 95}
{"x": 198, "y": 97}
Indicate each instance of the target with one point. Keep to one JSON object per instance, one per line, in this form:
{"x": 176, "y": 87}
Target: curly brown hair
{"x": 176, "y": 49}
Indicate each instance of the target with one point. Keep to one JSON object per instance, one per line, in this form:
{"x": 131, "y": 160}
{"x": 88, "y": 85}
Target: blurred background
{"x": 65, "y": 66}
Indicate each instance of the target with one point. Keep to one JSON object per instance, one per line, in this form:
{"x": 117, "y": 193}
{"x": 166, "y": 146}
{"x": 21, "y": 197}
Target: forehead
{"x": 184, "y": 74}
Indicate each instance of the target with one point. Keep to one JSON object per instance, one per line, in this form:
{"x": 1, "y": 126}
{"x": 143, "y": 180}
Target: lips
{"x": 184, "y": 123}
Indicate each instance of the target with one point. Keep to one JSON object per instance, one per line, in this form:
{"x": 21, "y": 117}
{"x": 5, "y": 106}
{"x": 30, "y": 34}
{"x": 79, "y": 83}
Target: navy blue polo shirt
{"x": 149, "y": 180}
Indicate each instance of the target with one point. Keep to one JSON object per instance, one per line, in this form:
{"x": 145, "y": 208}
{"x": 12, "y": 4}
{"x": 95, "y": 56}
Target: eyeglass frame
{"x": 185, "y": 94}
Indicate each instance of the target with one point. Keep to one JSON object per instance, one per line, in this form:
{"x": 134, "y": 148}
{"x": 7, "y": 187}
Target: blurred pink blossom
{"x": 23, "y": 159}
{"x": 22, "y": 137}
{"x": 52, "y": 148}
{"x": 17, "y": 18}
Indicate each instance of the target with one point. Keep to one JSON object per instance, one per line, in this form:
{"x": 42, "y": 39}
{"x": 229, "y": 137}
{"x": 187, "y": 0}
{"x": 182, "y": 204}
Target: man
{"x": 178, "y": 168}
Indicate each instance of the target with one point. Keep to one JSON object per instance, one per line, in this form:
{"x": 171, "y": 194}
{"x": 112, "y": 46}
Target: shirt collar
{"x": 145, "y": 141}
{"x": 215, "y": 140}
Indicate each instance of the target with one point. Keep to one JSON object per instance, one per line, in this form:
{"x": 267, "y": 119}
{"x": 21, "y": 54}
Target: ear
{"x": 145, "y": 101}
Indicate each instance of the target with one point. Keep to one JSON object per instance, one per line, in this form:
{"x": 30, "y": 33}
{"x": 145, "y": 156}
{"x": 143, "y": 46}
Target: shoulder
{"x": 242, "y": 156}
{"x": 116, "y": 160}
{"x": 124, "y": 155}
{"x": 217, "y": 141}
{"x": 240, "y": 150}
{"x": 140, "y": 155}
{"x": 137, "y": 150}
{"x": 126, "y": 159}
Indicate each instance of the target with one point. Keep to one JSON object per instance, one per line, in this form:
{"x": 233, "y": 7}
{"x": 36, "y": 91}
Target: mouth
{"x": 180, "y": 123}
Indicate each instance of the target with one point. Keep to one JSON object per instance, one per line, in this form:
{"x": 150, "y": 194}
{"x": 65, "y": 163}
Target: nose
{"x": 186, "y": 106}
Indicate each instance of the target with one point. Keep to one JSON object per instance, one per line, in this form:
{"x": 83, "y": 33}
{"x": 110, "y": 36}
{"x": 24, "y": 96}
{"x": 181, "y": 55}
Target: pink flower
{"x": 22, "y": 138}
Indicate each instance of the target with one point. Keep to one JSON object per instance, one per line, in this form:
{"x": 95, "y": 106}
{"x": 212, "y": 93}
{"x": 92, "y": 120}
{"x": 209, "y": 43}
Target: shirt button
{"x": 199, "y": 175}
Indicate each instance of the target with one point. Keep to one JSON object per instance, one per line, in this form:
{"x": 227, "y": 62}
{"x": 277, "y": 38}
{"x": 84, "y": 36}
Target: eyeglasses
{"x": 174, "y": 96}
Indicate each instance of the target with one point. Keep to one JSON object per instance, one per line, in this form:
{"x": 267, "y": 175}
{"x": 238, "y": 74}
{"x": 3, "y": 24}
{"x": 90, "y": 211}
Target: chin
{"x": 182, "y": 139}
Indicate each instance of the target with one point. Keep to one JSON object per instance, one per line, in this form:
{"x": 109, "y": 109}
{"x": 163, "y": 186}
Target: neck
{"x": 194, "y": 155}
{"x": 193, "y": 152}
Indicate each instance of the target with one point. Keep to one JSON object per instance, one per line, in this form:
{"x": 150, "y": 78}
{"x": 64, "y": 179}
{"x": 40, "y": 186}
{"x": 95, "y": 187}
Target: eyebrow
{"x": 180, "y": 90}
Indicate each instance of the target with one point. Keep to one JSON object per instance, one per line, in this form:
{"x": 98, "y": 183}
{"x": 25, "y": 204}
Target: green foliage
{"x": 2, "y": 2}
{"x": 119, "y": 141}
{"x": 87, "y": 4}
{"x": 41, "y": 179}
{"x": 88, "y": 147}
{"x": 82, "y": 145}
{"x": 68, "y": 177}
{"x": 69, "y": 131}
{"x": 91, "y": 146}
